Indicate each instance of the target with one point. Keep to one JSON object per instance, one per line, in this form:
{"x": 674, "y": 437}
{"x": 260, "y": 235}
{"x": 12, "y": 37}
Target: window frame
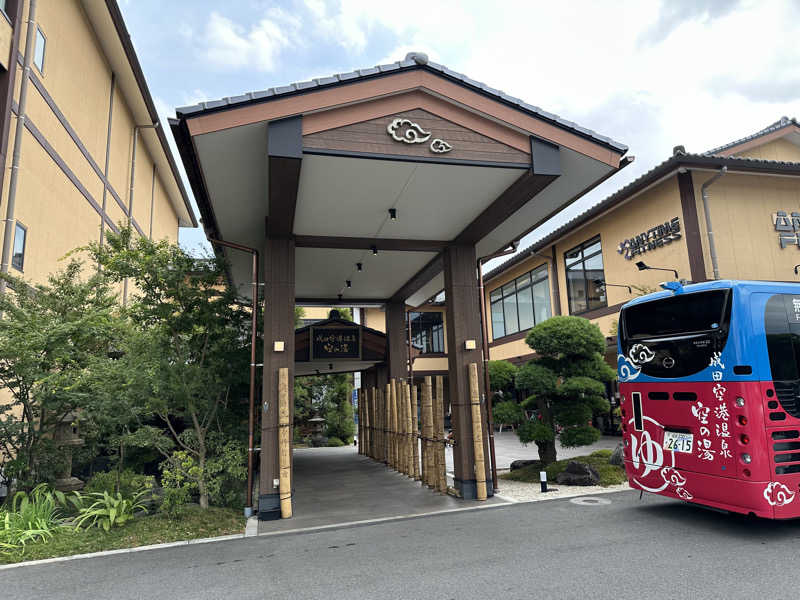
{"x": 544, "y": 275}
{"x": 17, "y": 226}
{"x": 580, "y": 248}
{"x": 39, "y": 31}
{"x": 436, "y": 330}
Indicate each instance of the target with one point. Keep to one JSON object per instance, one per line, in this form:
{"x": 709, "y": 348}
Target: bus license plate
{"x": 678, "y": 441}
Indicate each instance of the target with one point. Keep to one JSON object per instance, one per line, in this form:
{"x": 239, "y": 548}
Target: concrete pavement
{"x": 337, "y": 485}
{"x": 656, "y": 548}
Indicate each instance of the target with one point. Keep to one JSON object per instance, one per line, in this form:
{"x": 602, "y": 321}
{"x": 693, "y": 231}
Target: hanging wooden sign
{"x": 332, "y": 343}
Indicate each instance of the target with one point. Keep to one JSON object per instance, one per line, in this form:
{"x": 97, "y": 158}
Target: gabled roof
{"x": 413, "y": 60}
{"x": 679, "y": 159}
{"x": 779, "y": 124}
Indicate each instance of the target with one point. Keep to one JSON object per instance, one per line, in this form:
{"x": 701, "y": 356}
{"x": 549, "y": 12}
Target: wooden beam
{"x": 510, "y": 201}
{"x": 358, "y": 243}
{"x": 423, "y": 276}
{"x": 285, "y": 155}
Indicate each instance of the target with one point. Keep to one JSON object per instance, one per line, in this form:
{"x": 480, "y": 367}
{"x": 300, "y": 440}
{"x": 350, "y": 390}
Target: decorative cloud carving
{"x": 404, "y": 130}
{"x": 440, "y": 146}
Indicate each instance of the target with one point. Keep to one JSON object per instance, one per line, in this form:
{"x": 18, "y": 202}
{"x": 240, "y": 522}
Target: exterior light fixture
{"x": 393, "y": 214}
{"x": 340, "y": 296}
{"x": 643, "y": 267}
{"x": 359, "y": 267}
{"x": 374, "y": 250}
{"x": 601, "y": 283}
{"x": 348, "y": 283}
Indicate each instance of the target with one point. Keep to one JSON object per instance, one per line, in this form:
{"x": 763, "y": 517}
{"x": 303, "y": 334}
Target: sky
{"x": 646, "y": 73}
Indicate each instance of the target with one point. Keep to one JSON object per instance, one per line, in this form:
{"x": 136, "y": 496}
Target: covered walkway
{"x": 337, "y": 485}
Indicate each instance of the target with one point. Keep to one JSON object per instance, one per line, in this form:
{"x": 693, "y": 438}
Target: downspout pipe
{"x": 253, "y": 365}
{"x": 130, "y": 193}
{"x": 704, "y": 193}
{"x": 485, "y": 347}
{"x": 8, "y": 234}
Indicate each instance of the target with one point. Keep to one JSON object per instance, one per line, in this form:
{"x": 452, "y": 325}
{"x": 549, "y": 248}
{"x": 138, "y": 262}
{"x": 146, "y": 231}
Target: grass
{"x": 609, "y": 474}
{"x": 141, "y": 531}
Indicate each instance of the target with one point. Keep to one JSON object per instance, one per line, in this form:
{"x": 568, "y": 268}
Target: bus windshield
{"x": 682, "y": 331}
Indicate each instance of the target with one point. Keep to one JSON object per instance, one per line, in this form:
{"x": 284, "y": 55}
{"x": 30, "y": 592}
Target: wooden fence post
{"x": 477, "y": 431}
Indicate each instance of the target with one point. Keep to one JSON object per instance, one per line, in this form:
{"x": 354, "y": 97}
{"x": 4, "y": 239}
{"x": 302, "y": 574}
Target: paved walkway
{"x": 337, "y": 485}
{"x": 508, "y": 448}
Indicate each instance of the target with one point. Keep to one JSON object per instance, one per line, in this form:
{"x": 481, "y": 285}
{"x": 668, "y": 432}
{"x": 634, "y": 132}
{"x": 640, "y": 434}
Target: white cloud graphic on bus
{"x": 628, "y": 366}
{"x": 778, "y": 494}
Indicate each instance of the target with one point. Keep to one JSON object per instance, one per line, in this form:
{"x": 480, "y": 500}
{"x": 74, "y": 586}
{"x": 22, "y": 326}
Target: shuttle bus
{"x": 710, "y": 387}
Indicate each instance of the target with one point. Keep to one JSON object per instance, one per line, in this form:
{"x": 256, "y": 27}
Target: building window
{"x": 18, "y": 257}
{"x": 38, "y": 54}
{"x": 584, "y": 268}
{"x": 427, "y": 332}
{"x": 520, "y": 304}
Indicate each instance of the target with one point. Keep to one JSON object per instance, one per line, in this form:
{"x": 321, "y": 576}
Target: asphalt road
{"x": 656, "y": 548}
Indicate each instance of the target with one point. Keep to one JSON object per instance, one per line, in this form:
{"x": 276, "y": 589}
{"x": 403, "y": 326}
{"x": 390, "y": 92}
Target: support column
{"x": 278, "y": 327}
{"x": 463, "y": 327}
{"x": 397, "y": 336}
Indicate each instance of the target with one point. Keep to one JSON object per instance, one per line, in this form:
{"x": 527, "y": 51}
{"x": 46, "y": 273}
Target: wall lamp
{"x": 600, "y": 282}
{"x": 393, "y": 214}
{"x": 643, "y": 267}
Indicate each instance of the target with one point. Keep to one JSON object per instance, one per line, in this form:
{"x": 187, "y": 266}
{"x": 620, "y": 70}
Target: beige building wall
{"x": 780, "y": 149}
{"x": 375, "y": 318}
{"x": 741, "y": 208}
{"x": 72, "y": 92}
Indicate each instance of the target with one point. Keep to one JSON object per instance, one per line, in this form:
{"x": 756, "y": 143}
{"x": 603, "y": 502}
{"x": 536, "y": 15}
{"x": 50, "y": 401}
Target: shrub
{"x": 501, "y": 375}
{"x": 334, "y": 442}
{"x": 130, "y": 483}
{"x": 106, "y": 510}
{"x": 32, "y": 517}
{"x": 226, "y": 472}
{"x": 179, "y": 475}
{"x": 508, "y": 413}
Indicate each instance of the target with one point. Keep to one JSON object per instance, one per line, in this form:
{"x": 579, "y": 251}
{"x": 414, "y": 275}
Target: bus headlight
{"x": 740, "y": 402}
{"x": 746, "y": 459}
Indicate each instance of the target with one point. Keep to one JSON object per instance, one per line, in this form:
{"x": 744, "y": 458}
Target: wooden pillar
{"x": 463, "y": 347}
{"x": 397, "y": 340}
{"x": 278, "y": 327}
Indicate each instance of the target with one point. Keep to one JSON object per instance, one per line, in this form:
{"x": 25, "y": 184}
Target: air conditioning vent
{"x": 787, "y": 393}
{"x": 780, "y": 448}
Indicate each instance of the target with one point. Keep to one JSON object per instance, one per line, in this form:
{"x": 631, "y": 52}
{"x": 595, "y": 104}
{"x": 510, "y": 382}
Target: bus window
{"x": 782, "y": 328}
{"x": 681, "y": 332}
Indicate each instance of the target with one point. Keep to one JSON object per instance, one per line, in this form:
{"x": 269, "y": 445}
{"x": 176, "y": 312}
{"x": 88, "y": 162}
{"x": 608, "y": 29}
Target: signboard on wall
{"x": 333, "y": 343}
{"x": 788, "y": 228}
{"x": 656, "y": 237}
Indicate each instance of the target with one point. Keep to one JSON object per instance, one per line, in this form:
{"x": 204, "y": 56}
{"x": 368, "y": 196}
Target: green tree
{"x": 50, "y": 334}
{"x": 194, "y": 337}
{"x": 565, "y": 384}
{"x": 501, "y": 376}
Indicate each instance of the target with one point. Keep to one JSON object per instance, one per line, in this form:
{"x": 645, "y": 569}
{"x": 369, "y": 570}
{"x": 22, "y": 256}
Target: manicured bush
{"x": 508, "y": 413}
{"x": 334, "y": 442}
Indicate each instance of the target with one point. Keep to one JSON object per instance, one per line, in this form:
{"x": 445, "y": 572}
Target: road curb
{"x": 47, "y": 561}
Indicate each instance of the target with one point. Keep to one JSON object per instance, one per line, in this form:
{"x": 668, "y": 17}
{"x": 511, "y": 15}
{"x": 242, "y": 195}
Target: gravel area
{"x": 519, "y": 491}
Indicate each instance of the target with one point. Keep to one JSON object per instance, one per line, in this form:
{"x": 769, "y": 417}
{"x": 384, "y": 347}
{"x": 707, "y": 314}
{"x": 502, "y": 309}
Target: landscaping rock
{"x": 578, "y": 474}
{"x": 616, "y": 456}
{"x": 518, "y": 464}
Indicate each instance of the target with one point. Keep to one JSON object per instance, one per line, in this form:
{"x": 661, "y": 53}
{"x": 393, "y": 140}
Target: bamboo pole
{"x": 440, "y": 462}
{"x": 409, "y": 449}
{"x": 371, "y": 417}
{"x": 360, "y": 413}
{"x": 387, "y": 424}
{"x": 393, "y": 401}
{"x": 477, "y": 431}
{"x": 284, "y": 450}
{"x": 415, "y": 433}
{"x": 427, "y": 433}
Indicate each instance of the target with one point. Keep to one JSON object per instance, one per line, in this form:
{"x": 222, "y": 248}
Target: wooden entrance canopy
{"x": 337, "y": 346}
{"x": 384, "y": 186}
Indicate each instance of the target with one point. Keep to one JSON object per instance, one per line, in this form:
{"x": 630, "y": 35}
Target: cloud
{"x": 230, "y": 45}
{"x": 674, "y": 13}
